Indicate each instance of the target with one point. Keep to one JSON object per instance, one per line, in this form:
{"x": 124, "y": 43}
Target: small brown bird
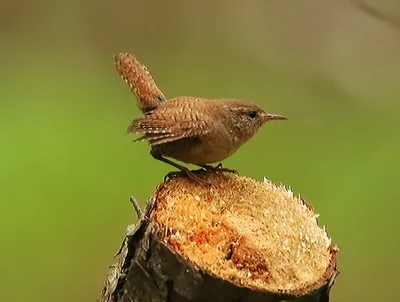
{"x": 189, "y": 129}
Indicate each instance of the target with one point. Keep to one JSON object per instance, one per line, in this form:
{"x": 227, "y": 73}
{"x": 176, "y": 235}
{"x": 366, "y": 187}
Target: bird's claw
{"x": 227, "y": 170}
{"x": 170, "y": 175}
{"x": 187, "y": 173}
{"x": 220, "y": 168}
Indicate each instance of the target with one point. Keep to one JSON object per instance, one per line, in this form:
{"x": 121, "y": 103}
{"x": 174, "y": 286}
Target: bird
{"x": 192, "y": 130}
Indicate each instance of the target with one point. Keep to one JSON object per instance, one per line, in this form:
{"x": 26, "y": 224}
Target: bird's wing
{"x": 163, "y": 125}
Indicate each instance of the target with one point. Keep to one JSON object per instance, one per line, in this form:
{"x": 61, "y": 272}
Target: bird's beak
{"x": 271, "y": 117}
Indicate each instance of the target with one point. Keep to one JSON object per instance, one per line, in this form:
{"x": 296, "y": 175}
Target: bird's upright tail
{"x": 139, "y": 80}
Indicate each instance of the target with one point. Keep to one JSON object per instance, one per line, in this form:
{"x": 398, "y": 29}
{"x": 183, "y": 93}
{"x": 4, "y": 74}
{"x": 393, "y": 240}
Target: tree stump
{"x": 238, "y": 240}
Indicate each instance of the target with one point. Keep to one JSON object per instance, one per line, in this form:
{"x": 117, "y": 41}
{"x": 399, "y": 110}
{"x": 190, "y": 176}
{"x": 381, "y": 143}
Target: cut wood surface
{"x": 237, "y": 240}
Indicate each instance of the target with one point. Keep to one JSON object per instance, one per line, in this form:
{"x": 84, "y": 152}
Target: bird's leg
{"x": 183, "y": 169}
{"x": 218, "y": 168}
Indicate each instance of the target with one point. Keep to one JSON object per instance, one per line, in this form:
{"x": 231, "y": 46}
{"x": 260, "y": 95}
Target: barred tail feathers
{"x": 139, "y": 80}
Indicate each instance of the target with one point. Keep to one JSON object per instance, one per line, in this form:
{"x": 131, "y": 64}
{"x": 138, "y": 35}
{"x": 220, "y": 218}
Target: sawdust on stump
{"x": 254, "y": 234}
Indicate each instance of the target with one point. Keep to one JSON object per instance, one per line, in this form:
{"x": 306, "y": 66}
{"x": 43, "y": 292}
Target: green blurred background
{"x": 67, "y": 167}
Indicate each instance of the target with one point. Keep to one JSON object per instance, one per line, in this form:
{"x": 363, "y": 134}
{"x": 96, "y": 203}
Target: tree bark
{"x": 165, "y": 260}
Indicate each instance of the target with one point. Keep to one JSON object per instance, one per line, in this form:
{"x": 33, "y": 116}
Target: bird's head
{"x": 248, "y": 119}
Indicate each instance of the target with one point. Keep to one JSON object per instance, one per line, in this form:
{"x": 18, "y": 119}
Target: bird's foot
{"x": 219, "y": 168}
{"x": 189, "y": 174}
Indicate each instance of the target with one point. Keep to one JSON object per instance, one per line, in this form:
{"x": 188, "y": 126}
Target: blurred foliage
{"x": 67, "y": 168}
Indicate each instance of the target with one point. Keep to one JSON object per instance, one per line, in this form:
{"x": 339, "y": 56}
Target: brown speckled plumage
{"x": 139, "y": 80}
{"x": 197, "y": 130}
{"x": 189, "y": 129}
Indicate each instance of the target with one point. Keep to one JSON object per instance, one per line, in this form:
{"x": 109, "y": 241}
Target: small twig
{"x": 376, "y": 13}
{"x": 132, "y": 228}
{"x": 136, "y": 206}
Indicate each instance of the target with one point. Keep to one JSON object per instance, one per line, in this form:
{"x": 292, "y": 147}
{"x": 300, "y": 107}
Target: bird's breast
{"x": 200, "y": 150}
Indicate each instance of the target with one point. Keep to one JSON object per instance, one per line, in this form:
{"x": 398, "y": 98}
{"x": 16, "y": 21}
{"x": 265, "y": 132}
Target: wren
{"x": 192, "y": 130}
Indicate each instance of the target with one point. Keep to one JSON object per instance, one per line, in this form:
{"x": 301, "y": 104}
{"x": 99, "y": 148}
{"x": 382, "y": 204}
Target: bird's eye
{"x": 252, "y": 114}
